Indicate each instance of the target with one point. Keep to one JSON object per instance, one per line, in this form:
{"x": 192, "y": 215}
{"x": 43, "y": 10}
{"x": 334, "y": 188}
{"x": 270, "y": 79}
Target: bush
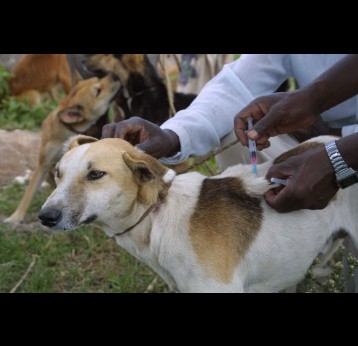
{"x": 18, "y": 114}
{"x": 5, "y": 75}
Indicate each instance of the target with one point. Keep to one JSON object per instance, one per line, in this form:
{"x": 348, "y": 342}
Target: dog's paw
{"x": 13, "y": 220}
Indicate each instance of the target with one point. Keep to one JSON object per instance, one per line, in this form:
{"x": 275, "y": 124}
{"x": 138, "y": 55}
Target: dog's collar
{"x": 147, "y": 212}
{"x": 161, "y": 197}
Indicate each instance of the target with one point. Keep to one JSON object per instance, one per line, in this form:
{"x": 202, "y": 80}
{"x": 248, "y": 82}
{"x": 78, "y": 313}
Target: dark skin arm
{"x": 311, "y": 179}
{"x": 292, "y": 111}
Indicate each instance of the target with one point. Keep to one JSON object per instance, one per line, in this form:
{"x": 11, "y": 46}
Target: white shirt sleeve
{"x": 210, "y": 117}
{"x": 348, "y": 130}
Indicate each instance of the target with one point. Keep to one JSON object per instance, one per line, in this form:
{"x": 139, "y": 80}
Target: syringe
{"x": 252, "y": 148}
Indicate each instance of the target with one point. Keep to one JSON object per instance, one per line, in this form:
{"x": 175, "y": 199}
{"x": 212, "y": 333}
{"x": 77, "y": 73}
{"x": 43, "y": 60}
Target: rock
{"x": 10, "y": 60}
{"x": 18, "y": 152}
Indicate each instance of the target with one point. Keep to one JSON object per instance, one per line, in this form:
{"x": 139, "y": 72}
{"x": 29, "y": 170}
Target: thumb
{"x": 266, "y": 126}
{"x": 279, "y": 171}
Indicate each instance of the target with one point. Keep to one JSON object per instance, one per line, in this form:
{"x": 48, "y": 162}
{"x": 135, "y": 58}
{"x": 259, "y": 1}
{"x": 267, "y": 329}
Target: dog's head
{"x": 88, "y": 101}
{"x": 107, "y": 181}
{"x": 123, "y": 65}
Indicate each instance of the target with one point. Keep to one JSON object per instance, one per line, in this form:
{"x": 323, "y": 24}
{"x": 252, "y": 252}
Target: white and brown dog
{"x": 199, "y": 234}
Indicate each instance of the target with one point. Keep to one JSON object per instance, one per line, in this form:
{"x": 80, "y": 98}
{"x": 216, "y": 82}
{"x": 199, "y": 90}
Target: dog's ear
{"x": 71, "y": 115}
{"x": 150, "y": 175}
{"x": 144, "y": 167}
{"x": 75, "y": 141}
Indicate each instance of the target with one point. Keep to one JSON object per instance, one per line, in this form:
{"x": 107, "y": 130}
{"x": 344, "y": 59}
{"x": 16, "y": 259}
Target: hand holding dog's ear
{"x": 147, "y": 136}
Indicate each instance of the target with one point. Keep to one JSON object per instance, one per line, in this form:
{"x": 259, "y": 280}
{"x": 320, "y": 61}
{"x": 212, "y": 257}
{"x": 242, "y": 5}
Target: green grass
{"x": 85, "y": 260}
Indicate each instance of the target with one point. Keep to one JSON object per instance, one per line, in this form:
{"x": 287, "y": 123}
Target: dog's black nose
{"x": 50, "y": 217}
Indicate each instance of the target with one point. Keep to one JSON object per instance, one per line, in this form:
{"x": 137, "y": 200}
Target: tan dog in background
{"x": 79, "y": 112}
{"x": 199, "y": 234}
{"x": 35, "y": 74}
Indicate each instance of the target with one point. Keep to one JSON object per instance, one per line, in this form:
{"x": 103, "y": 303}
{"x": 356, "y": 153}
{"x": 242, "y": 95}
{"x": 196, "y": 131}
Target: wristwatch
{"x": 345, "y": 175}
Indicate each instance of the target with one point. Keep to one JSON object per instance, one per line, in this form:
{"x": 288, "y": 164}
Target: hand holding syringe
{"x": 253, "y": 157}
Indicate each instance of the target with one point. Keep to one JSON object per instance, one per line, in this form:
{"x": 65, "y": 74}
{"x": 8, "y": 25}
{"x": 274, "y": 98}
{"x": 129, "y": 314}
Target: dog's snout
{"x": 50, "y": 217}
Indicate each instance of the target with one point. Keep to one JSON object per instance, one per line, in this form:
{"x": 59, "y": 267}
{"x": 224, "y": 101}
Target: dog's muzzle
{"x": 50, "y": 217}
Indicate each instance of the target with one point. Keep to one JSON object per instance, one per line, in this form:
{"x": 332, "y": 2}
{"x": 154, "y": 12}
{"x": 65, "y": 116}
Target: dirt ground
{"x": 18, "y": 152}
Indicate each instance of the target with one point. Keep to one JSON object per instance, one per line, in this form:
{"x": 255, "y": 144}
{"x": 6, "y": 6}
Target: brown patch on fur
{"x": 180, "y": 167}
{"x": 297, "y": 151}
{"x": 224, "y": 224}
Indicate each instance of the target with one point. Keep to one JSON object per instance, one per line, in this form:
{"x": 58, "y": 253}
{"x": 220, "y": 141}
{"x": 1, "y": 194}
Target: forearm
{"x": 210, "y": 117}
{"x": 348, "y": 147}
{"x": 334, "y": 86}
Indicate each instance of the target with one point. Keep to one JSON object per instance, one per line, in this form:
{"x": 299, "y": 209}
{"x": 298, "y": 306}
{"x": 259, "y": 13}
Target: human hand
{"x": 310, "y": 182}
{"x": 276, "y": 114}
{"x": 318, "y": 128}
{"x": 145, "y": 135}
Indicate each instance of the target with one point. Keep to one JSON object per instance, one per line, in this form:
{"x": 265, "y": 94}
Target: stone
{"x": 18, "y": 153}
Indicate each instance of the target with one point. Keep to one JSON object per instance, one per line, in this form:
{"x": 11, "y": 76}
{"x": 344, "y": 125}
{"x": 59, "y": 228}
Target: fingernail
{"x": 252, "y": 134}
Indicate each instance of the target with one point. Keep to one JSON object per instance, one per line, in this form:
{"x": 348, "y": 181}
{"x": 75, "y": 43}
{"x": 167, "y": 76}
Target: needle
{"x": 279, "y": 181}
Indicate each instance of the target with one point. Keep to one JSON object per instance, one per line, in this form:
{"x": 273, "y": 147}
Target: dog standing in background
{"x": 36, "y": 74}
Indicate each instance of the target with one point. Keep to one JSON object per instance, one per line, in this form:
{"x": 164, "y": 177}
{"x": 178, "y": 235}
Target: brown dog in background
{"x": 81, "y": 111}
{"x": 36, "y": 74}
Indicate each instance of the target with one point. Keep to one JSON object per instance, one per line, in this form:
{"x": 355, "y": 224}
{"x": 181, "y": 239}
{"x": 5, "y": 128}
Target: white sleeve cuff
{"x": 348, "y": 130}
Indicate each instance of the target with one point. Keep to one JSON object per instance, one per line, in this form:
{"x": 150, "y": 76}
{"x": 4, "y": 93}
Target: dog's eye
{"x": 98, "y": 91}
{"x": 57, "y": 174}
{"x": 95, "y": 175}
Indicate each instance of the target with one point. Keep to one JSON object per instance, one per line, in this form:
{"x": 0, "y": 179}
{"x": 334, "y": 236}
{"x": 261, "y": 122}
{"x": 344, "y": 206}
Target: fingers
{"x": 278, "y": 199}
{"x": 240, "y": 130}
{"x": 108, "y": 131}
{"x": 131, "y": 130}
{"x": 252, "y": 110}
{"x": 266, "y": 127}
